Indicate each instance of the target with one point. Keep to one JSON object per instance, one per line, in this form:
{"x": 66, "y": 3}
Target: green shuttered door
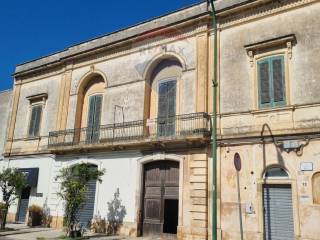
{"x": 167, "y": 108}
{"x": 94, "y": 118}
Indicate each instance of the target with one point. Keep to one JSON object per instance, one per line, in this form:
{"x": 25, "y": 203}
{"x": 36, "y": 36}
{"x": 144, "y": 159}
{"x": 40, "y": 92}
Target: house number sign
{"x": 306, "y": 166}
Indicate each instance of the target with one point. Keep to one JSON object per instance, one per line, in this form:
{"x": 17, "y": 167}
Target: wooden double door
{"x": 161, "y": 198}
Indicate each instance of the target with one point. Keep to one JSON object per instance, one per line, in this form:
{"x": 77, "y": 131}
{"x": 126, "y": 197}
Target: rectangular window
{"x": 271, "y": 79}
{"x": 35, "y": 120}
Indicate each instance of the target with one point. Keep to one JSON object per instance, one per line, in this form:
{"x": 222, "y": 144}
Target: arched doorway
{"x": 160, "y": 198}
{"x": 277, "y": 205}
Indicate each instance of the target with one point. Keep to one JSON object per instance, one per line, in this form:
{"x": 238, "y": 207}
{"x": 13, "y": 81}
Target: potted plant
{"x": 35, "y": 216}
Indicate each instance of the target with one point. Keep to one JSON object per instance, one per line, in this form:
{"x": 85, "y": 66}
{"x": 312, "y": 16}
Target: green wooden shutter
{"x": 271, "y": 78}
{"x": 94, "y": 118}
{"x": 166, "y": 108}
{"x": 162, "y": 108}
{"x": 171, "y": 98}
{"x": 97, "y": 112}
{"x": 264, "y": 83}
{"x": 97, "y": 118}
{"x": 278, "y": 81}
{"x": 35, "y": 120}
{"x": 32, "y": 121}
{"x": 91, "y": 111}
{"x": 171, "y": 104}
{"x": 162, "y": 100}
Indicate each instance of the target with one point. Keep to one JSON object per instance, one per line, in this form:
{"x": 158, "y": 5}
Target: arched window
{"x": 316, "y": 188}
{"x": 92, "y": 102}
{"x": 89, "y": 108}
{"x": 162, "y": 89}
{"x": 164, "y": 100}
{"x": 275, "y": 172}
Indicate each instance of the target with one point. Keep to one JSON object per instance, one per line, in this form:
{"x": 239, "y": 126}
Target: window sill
{"x": 32, "y": 138}
{"x": 274, "y": 109}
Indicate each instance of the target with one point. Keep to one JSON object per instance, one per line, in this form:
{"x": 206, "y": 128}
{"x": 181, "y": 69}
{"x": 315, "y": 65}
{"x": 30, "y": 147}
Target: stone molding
{"x": 287, "y": 40}
{"x": 101, "y": 55}
{"x": 261, "y": 11}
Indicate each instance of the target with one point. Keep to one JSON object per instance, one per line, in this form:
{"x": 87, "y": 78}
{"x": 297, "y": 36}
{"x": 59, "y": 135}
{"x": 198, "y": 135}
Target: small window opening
{"x": 276, "y": 172}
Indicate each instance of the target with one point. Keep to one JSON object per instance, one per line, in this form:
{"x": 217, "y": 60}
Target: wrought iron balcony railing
{"x": 176, "y": 127}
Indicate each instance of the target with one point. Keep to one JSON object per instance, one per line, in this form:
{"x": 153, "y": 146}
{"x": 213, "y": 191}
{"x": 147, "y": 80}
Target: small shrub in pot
{"x": 35, "y": 216}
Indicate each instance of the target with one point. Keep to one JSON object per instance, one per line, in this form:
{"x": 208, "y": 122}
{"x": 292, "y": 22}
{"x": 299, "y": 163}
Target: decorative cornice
{"x": 163, "y": 22}
{"x": 101, "y": 55}
{"x": 284, "y": 41}
{"x": 269, "y": 8}
{"x": 38, "y": 97}
{"x": 139, "y": 45}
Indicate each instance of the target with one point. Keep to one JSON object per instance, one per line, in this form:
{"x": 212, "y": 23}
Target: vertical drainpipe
{"x": 214, "y": 124}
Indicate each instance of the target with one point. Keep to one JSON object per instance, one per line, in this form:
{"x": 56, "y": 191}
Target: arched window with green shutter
{"x": 271, "y": 80}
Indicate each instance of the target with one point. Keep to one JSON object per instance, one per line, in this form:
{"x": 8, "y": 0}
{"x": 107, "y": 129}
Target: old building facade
{"x": 269, "y": 114}
{"x": 137, "y": 103}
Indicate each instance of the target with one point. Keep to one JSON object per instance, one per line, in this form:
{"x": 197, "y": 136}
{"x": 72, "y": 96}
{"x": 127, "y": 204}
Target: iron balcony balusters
{"x": 179, "y": 126}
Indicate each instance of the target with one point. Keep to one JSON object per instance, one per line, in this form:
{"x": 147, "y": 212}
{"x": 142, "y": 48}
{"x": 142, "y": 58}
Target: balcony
{"x": 177, "y": 129}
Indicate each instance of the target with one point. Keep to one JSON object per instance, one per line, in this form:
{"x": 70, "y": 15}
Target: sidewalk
{"x": 23, "y": 232}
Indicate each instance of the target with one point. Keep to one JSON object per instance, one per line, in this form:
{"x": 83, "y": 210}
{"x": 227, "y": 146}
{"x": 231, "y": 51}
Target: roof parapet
{"x": 181, "y": 15}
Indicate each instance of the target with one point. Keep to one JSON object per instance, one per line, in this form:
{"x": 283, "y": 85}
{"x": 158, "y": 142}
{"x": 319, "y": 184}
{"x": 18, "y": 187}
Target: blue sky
{"x": 34, "y": 28}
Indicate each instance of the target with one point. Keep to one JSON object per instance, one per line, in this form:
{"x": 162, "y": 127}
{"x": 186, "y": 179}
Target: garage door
{"x": 23, "y": 205}
{"x": 278, "y": 213}
{"x": 85, "y": 215}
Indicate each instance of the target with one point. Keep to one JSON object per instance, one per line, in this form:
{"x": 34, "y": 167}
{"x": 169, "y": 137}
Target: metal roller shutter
{"x": 278, "y": 213}
{"x": 86, "y": 213}
{"x": 23, "y": 208}
{"x": 23, "y": 204}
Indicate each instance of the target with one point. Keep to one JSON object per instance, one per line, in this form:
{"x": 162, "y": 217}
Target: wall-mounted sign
{"x": 304, "y": 199}
{"x": 237, "y": 161}
{"x": 306, "y": 166}
{"x": 291, "y": 144}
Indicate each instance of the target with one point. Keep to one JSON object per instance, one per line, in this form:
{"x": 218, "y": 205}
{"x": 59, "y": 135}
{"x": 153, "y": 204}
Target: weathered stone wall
{"x": 49, "y": 85}
{"x": 5, "y": 109}
{"x": 126, "y": 75}
{"x": 237, "y": 82}
{"x": 254, "y": 162}
{"x": 242, "y": 118}
{"x": 238, "y": 103}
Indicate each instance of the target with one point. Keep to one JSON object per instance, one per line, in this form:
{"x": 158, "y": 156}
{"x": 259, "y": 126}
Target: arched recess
{"x": 158, "y": 157}
{"x": 278, "y": 182}
{"x": 316, "y": 188}
{"x": 275, "y": 171}
{"x": 164, "y": 67}
{"x": 93, "y": 83}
